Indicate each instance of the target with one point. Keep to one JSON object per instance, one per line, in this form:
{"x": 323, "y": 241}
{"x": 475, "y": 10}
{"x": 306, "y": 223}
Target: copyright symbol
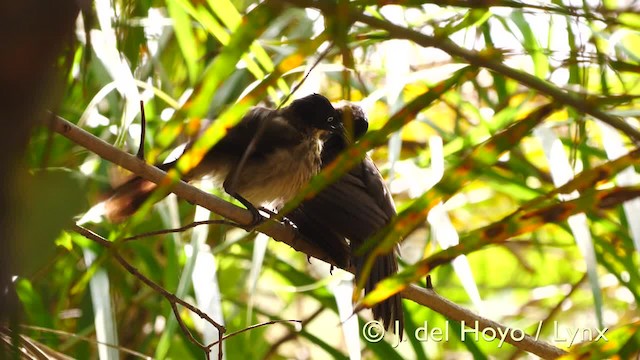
{"x": 373, "y": 331}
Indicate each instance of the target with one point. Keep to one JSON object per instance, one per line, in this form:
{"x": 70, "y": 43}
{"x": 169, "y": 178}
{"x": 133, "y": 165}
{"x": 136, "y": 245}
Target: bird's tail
{"x": 127, "y": 198}
{"x": 389, "y": 310}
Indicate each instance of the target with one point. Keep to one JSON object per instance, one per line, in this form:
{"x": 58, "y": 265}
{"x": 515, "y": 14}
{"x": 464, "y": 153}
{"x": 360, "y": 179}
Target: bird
{"x": 354, "y": 208}
{"x": 286, "y": 154}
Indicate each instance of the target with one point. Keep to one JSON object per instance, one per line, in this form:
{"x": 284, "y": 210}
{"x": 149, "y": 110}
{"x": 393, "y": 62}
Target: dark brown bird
{"x": 286, "y": 155}
{"x": 355, "y": 207}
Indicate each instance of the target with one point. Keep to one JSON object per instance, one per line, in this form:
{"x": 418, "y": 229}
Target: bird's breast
{"x": 277, "y": 177}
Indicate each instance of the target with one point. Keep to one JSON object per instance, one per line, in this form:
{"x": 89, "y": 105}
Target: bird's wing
{"x": 356, "y": 206}
{"x": 277, "y": 133}
{"x": 376, "y": 188}
{"x": 315, "y": 230}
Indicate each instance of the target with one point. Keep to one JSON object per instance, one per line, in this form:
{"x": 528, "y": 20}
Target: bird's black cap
{"x": 317, "y": 112}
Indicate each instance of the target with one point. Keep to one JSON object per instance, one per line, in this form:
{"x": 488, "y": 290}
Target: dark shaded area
{"x": 34, "y": 35}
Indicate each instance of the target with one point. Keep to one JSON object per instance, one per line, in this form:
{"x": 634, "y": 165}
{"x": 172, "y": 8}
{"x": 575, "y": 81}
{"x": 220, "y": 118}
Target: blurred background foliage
{"x": 503, "y": 105}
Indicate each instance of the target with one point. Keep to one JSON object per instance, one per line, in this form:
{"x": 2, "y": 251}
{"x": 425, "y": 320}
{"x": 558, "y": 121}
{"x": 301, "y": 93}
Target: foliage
{"x": 478, "y": 112}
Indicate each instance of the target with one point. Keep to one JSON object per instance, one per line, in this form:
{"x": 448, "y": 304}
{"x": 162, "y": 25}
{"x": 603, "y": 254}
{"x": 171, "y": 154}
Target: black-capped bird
{"x": 355, "y": 207}
{"x": 295, "y": 142}
{"x": 287, "y": 153}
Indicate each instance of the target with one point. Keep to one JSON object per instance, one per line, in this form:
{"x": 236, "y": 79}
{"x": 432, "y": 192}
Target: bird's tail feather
{"x": 389, "y": 310}
{"x": 127, "y": 198}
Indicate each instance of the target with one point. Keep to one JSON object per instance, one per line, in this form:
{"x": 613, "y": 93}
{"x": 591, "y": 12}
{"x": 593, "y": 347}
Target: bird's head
{"x": 316, "y": 112}
{"x": 354, "y": 125}
{"x": 354, "y": 121}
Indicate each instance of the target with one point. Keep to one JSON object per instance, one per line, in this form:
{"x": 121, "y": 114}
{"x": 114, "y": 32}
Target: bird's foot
{"x": 256, "y": 218}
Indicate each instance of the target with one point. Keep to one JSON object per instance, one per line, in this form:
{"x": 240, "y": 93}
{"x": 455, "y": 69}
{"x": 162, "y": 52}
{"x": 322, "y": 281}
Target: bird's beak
{"x": 336, "y": 126}
{"x": 333, "y": 126}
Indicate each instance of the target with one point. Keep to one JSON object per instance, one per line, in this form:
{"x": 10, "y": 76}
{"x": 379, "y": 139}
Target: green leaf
{"x": 33, "y": 304}
{"x": 620, "y": 343}
{"x": 255, "y": 22}
{"x": 51, "y": 199}
{"x": 531, "y": 45}
{"x": 186, "y": 39}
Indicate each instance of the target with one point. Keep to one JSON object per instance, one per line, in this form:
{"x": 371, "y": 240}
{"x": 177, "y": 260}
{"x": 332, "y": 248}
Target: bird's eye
{"x": 330, "y": 119}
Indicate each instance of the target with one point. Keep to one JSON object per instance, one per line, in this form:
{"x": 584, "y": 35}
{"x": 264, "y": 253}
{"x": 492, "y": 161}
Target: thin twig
{"x": 66, "y": 334}
{"x": 254, "y": 326}
{"x": 181, "y": 229}
{"x": 291, "y": 334}
{"x": 554, "y": 311}
{"x": 580, "y": 103}
{"x": 185, "y": 330}
{"x": 306, "y": 76}
{"x": 172, "y": 298}
{"x": 609, "y": 16}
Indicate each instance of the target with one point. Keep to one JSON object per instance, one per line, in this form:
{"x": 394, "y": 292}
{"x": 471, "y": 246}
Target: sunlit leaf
{"x": 618, "y": 343}
{"x": 516, "y": 224}
{"x": 186, "y": 38}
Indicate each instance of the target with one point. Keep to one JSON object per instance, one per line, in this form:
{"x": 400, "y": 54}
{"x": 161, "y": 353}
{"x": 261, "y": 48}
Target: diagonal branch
{"x": 280, "y": 232}
{"x": 172, "y": 298}
{"x": 276, "y": 230}
{"x": 454, "y": 312}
